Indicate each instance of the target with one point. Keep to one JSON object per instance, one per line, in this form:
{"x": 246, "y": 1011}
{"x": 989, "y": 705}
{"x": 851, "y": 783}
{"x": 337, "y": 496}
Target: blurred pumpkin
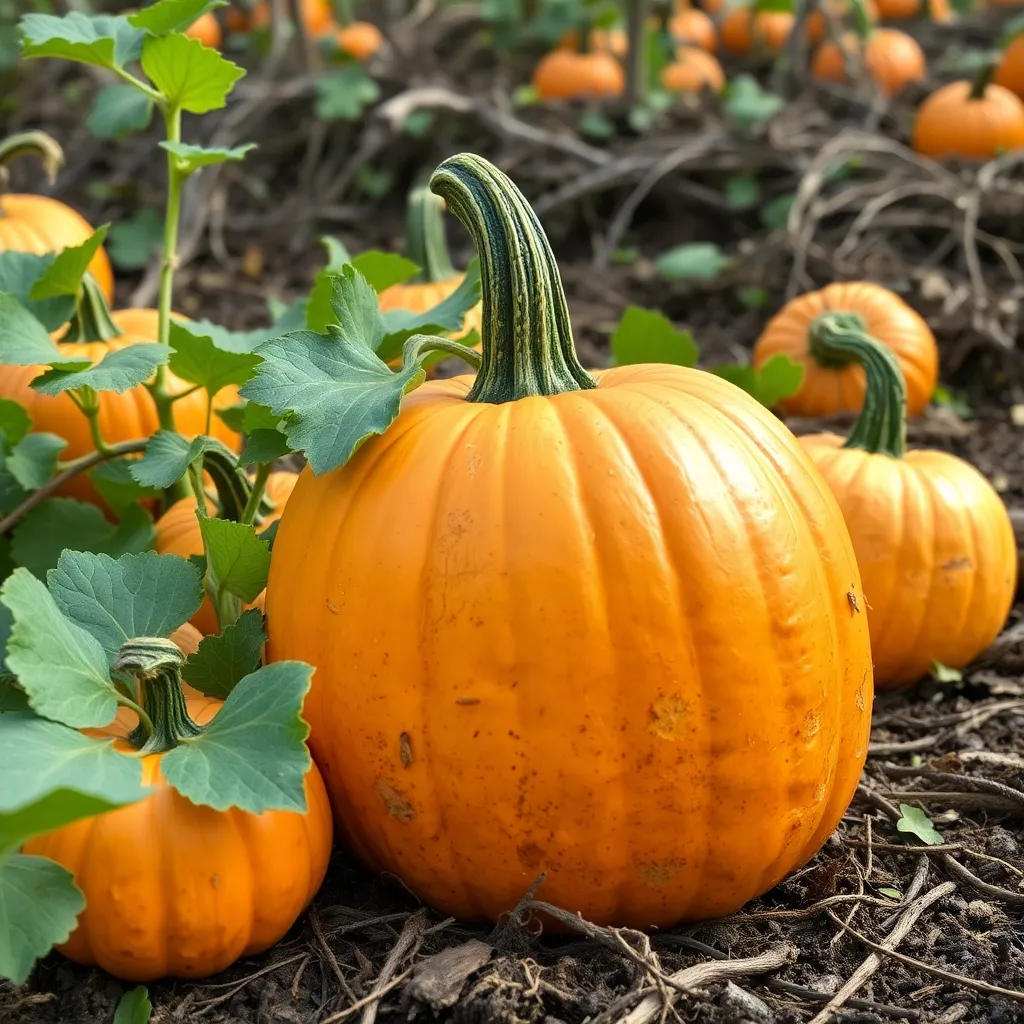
{"x": 694, "y": 28}
{"x": 940, "y": 11}
{"x": 206, "y": 28}
{"x": 891, "y": 58}
{"x": 566, "y": 75}
{"x": 692, "y": 71}
{"x": 359, "y": 39}
{"x": 763, "y": 33}
{"x": 317, "y": 16}
{"x": 1010, "y": 73}
{"x": 975, "y": 121}
{"x": 817, "y": 23}
{"x": 599, "y": 40}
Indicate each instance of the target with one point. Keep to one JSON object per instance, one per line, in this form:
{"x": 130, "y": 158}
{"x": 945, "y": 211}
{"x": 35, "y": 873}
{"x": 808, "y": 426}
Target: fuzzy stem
{"x": 259, "y": 486}
{"x": 527, "y": 337}
{"x": 425, "y": 243}
{"x": 35, "y": 143}
{"x": 881, "y": 427}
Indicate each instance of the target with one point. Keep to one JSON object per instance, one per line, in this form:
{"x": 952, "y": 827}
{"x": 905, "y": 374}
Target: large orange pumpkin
{"x": 1010, "y": 73}
{"x": 566, "y": 75}
{"x": 833, "y": 383}
{"x": 175, "y": 890}
{"x": 891, "y": 58}
{"x": 934, "y": 543}
{"x": 39, "y": 224}
{"x": 975, "y": 121}
{"x": 592, "y": 628}
{"x": 122, "y": 417}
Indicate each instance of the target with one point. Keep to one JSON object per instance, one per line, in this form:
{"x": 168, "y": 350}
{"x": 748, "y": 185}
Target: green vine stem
{"x": 527, "y": 337}
{"x": 984, "y": 79}
{"x": 156, "y": 665}
{"x": 862, "y": 23}
{"x": 34, "y": 143}
{"x": 838, "y": 339}
{"x": 92, "y": 320}
{"x": 259, "y": 486}
{"x": 425, "y": 242}
{"x": 636, "y": 58}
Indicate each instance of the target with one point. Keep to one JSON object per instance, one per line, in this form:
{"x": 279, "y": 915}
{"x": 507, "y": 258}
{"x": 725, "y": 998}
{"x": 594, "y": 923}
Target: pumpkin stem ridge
{"x": 881, "y": 426}
{"x": 527, "y": 337}
{"x": 92, "y": 320}
{"x": 34, "y": 143}
{"x": 425, "y": 242}
{"x": 156, "y": 664}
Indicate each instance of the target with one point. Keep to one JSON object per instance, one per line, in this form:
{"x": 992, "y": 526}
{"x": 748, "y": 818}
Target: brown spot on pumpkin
{"x": 467, "y": 702}
{"x": 859, "y": 695}
{"x": 957, "y": 563}
{"x": 660, "y": 874}
{"x": 530, "y": 854}
{"x": 332, "y": 608}
{"x": 395, "y": 802}
{"x": 852, "y": 598}
{"x": 667, "y": 714}
{"x": 405, "y": 749}
{"x": 811, "y": 725}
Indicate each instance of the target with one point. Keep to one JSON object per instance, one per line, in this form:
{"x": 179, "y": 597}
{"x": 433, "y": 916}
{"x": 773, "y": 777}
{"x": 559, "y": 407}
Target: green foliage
{"x": 119, "y": 370}
{"x": 102, "y": 41}
{"x": 238, "y": 560}
{"x": 645, "y": 336}
{"x": 915, "y": 822}
{"x": 191, "y": 77}
{"x": 19, "y": 272}
{"x": 172, "y": 15}
{"x": 698, "y": 261}
{"x": 344, "y": 94}
{"x": 223, "y": 660}
{"x": 133, "y": 241}
{"x": 134, "y": 1007}
{"x": 742, "y": 191}
{"x": 748, "y": 105}
{"x": 63, "y": 276}
{"x": 118, "y": 110}
{"x": 24, "y": 341}
{"x": 188, "y": 159}
{"x": 197, "y": 358}
{"x": 779, "y": 378}
{"x": 944, "y": 674}
{"x": 168, "y": 456}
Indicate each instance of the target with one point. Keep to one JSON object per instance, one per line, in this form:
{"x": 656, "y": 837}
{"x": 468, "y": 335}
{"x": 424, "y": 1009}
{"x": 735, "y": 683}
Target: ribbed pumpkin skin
{"x": 888, "y": 319}
{"x": 950, "y": 123}
{"x": 39, "y": 224}
{"x": 122, "y": 417}
{"x": 936, "y": 551}
{"x": 179, "y": 891}
{"x": 617, "y": 647}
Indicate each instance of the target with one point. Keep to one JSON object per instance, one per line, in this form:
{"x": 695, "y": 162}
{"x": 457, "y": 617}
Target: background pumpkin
{"x": 976, "y": 121}
{"x": 39, "y": 224}
{"x": 817, "y": 24}
{"x": 693, "y": 70}
{"x": 557, "y": 684}
{"x": 1010, "y": 73}
{"x": 831, "y": 385}
{"x": 763, "y": 33}
{"x": 694, "y": 28}
{"x": 206, "y": 28}
{"x": 891, "y": 58}
{"x": 566, "y": 75}
{"x": 175, "y": 890}
{"x": 359, "y": 39}
{"x": 934, "y": 542}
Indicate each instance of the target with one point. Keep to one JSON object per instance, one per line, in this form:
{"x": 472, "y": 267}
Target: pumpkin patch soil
{"x": 366, "y": 950}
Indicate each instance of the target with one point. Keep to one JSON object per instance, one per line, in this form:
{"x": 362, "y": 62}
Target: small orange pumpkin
{"x": 1010, "y": 73}
{"x": 891, "y": 57}
{"x": 692, "y": 71}
{"x": 39, "y": 224}
{"x": 175, "y": 890}
{"x": 907, "y": 10}
{"x": 614, "y": 41}
{"x": 694, "y": 28}
{"x": 763, "y": 33}
{"x": 359, "y": 39}
{"x": 832, "y": 384}
{"x": 817, "y": 23}
{"x": 934, "y": 542}
{"x": 317, "y": 16}
{"x": 566, "y": 75}
{"x": 206, "y": 28}
{"x": 975, "y": 121}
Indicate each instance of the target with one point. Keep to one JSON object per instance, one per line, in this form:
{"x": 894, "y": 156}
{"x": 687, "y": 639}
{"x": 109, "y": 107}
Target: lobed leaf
{"x": 221, "y": 662}
{"x": 24, "y": 341}
{"x": 134, "y": 1007}
{"x": 778, "y": 378}
{"x": 168, "y": 456}
{"x": 118, "y": 110}
{"x": 118, "y": 371}
{"x": 19, "y": 272}
{"x": 646, "y": 336}
{"x": 916, "y": 823}
{"x": 238, "y": 559}
{"x": 102, "y": 40}
{"x": 264, "y": 446}
{"x": 172, "y": 15}
{"x": 64, "y": 274}
{"x": 197, "y": 358}
{"x": 190, "y": 76}
{"x": 189, "y": 158}
{"x": 383, "y": 269}
{"x": 33, "y": 460}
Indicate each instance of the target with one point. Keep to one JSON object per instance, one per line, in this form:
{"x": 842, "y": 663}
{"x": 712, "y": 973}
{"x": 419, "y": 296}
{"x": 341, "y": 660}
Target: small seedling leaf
{"x": 699, "y": 261}
{"x": 188, "y": 74}
{"x": 646, "y": 336}
{"x": 239, "y": 560}
{"x": 916, "y": 823}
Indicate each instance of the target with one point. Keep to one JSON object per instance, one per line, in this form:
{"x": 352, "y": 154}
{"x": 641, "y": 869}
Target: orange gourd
{"x": 1010, "y": 73}
{"x": 618, "y": 647}
{"x": 178, "y": 533}
{"x": 817, "y": 23}
{"x": 934, "y": 543}
{"x": 359, "y": 39}
{"x": 206, "y": 28}
{"x": 39, "y": 224}
{"x": 176, "y": 890}
{"x": 763, "y": 33}
{"x": 694, "y": 28}
{"x": 891, "y": 58}
{"x": 317, "y": 16}
{"x": 907, "y": 10}
{"x": 565, "y": 75}
{"x": 93, "y": 334}
{"x": 599, "y": 40}
{"x": 975, "y": 121}
{"x": 831, "y": 383}
{"x": 692, "y": 71}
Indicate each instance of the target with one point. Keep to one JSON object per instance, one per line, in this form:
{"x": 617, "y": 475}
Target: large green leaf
{"x": 24, "y": 341}
{"x": 645, "y": 336}
{"x": 19, "y": 272}
{"x": 172, "y": 15}
{"x": 238, "y": 559}
{"x": 119, "y": 371}
{"x": 168, "y": 456}
{"x": 223, "y": 661}
{"x": 192, "y": 77}
{"x": 102, "y": 40}
{"x": 198, "y": 359}
{"x": 64, "y": 275}
{"x": 33, "y": 460}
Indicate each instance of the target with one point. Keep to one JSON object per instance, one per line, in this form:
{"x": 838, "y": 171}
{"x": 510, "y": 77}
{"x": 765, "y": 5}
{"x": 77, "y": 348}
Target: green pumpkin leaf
{"x": 41, "y": 906}
{"x": 778, "y": 378}
{"x": 742, "y": 191}
{"x": 33, "y": 460}
{"x": 64, "y": 275}
{"x": 118, "y": 110}
{"x": 24, "y": 341}
{"x": 12, "y": 696}
{"x": 172, "y": 15}
{"x": 748, "y": 104}
{"x": 197, "y": 358}
{"x": 118, "y": 371}
{"x": 223, "y": 661}
{"x": 775, "y": 213}
{"x": 117, "y": 600}
{"x": 645, "y": 336}
{"x": 59, "y": 523}
{"x": 60, "y": 666}
{"x": 253, "y": 754}
{"x": 103, "y": 40}
{"x": 293, "y": 318}
{"x": 343, "y": 95}
{"x": 384, "y": 269}
{"x": 15, "y": 422}
{"x": 345, "y": 299}
{"x": 19, "y": 272}
{"x": 264, "y": 446}
{"x": 168, "y": 456}
{"x": 190, "y": 159}
{"x": 333, "y": 389}
{"x": 134, "y": 1007}
{"x": 114, "y": 480}
{"x": 915, "y": 822}
{"x": 188, "y": 74}
{"x": 133, "y": 241}
{"x": 238, "y": 559}
{"x": 699, "y": 261}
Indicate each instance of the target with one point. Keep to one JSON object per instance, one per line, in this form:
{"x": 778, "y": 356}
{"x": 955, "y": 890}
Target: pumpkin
{"x": 975, "y": 121}
{"x": 565, "y": 75}
{"x": 178, "y": 533}
{"x": 614, "y": 41}
{"x": 908, "y": 10}
{"x": 891, "y": 57}
{"x": 317, "y": 16}
{"x": 93, "y": 334}
{"x": 1010, "y": 73}
{"x": 817, "y": 24}
{"x": 206, "y": 28}
{"x": 934, "y": 543}
{"x": 763, "y": 33}
{"x": 617, "y": 649}
{"x": 692, "y": 71}
{"x": 831, "y": 383}
{"x": 694, "y": 28}
{"x": 359, "y": 39}
{"x": 39, "y": 224}
{"x": 175, "y": 890}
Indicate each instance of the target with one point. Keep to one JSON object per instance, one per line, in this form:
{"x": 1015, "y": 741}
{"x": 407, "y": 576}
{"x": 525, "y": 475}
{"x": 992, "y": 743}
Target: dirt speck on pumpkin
{"x": 398, "y": 806}
{"x": 667, "y": 715}
{"x": 660, "y": 874}
{"x": 405, "y": 749}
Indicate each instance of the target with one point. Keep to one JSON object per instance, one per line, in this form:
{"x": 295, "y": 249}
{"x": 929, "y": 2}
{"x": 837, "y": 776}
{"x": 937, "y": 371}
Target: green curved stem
{"x": 527, "y": 337}
{"x": 425, "y": 243}
{"x": 34, "y": 143}
{"x": 259, "y": 486}
{"x": 92, "y": 320}
{"x": 156, "y": 665}
{"x": 862, "y": 23}
{"x": 984, "y": 79}
{"x": 838, "y": 339}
